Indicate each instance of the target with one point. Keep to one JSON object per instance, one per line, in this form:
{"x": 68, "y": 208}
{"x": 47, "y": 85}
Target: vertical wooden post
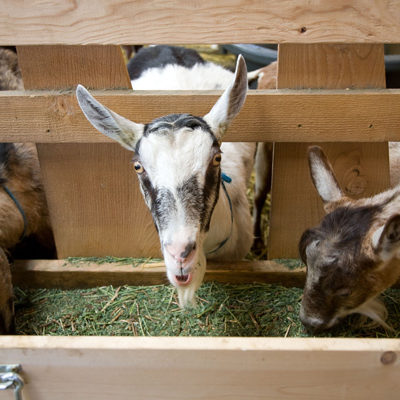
{"x": 95, "y": 204}
{"x": 362, "y": 168}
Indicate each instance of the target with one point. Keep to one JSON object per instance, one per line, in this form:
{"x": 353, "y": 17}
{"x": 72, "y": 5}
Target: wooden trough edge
{"x": 213, "y": 368}
{"x": 65, "y": 275}
{"x": 268, "y": 115}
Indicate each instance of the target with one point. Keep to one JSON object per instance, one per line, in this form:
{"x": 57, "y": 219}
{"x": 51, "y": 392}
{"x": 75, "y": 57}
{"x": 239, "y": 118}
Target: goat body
{"x": 20, "y": 176}
{"x": 178, "y": 161}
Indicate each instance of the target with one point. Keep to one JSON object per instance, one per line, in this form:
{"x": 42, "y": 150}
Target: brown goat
{"x": 352, "y": 256}
{"x": 24, "y": 220}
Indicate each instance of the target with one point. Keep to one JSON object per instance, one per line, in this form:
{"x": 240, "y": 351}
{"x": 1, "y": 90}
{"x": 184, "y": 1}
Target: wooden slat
{"x": 207, "y": 21}
{"x": 94, "y": 199}
{"x": 362, "y": 168}
{"x": 59, "y": 67}
{"x": 270, "y": 115}
{"x": 66, "y": 275}
{"x": 61, "y": 368}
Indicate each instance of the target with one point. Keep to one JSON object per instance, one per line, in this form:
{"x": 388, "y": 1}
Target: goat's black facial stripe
{"x": 211, "y": 194}
{"x": 191, "y": 196}
{"x": 163, "y": 208}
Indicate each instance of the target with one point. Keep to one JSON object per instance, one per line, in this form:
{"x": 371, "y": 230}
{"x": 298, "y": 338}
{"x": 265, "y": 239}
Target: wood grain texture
{"x": 62, "y": 274}
{"x": 61, "y": 368}
{"x": 94, "y": 199}
{"x": 362, "y": 168}
{"x": 270, "y": 115}
{"x": 62, "y": 67}
{"x": 95, "y": 202}
{"x": 206, "y": 21}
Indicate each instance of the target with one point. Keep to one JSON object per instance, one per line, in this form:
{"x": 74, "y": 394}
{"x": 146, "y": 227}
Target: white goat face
{"x": 178, "y": 164}
{"x": 177, "y": 158}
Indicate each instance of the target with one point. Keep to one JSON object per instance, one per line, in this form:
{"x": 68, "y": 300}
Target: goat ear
{"x": 386, "y": 240}
{"x": 125, "y": 132}
{"x": 322, "y": 175}
{"x": 230, "y": 103}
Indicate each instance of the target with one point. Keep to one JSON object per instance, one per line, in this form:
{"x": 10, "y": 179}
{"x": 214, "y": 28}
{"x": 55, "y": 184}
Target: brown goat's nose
{"x": 312, "y": 324}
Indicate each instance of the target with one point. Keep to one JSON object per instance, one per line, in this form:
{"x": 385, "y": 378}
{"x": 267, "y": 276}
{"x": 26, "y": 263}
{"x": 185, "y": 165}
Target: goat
{"x": 160, "y": 56}
{"x": 24, "y": 218}
{"x": 352, "y": 256}
{"x": 181, "y": 168}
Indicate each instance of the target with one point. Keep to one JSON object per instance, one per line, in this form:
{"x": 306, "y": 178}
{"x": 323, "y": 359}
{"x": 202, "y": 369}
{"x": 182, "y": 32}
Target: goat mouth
{"x": 183, "y": 279}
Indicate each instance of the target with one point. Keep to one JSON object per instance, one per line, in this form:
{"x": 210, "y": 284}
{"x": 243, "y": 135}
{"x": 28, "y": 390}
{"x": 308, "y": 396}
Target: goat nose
{"x": 181, "y": 251}
{"x": 313, "y": 325}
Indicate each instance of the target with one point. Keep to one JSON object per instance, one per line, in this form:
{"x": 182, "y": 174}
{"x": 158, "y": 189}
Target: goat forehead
{"x": 174, "y": 156}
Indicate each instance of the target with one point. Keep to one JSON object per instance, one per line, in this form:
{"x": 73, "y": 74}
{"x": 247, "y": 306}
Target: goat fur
{"x": 20, "y": 172}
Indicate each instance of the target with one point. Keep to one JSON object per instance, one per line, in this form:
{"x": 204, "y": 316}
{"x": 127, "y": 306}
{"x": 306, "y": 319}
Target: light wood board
{"x": 362, "y": 168}
{"x": 94, "y": 199}
{"x": 206, "y": 21}
{"x": 103, "y": 368}
{"x": 268, "y": 115}
{"x": 67, "y": 275}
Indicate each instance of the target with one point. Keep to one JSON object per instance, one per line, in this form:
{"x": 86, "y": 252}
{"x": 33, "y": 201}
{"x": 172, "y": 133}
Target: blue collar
{"x": 20, "y": 209}
{"x": 227, "y": 179}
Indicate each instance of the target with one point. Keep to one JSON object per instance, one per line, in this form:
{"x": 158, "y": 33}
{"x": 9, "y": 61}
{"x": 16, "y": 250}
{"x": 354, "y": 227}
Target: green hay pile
{"x": 222, "y": 310}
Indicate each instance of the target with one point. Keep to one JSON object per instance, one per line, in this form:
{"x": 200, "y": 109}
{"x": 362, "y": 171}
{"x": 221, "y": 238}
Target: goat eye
{"x": 217, "y": 159}
{"x": 138, "y": 167}
{"x": 344, "y": 292}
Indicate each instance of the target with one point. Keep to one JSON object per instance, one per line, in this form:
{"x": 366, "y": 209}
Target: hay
{"x": 223, "y": 310}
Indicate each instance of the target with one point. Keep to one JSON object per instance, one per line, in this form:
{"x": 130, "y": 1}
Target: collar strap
{"x": 227, "y": 179}
{"x": 20, "y": 209}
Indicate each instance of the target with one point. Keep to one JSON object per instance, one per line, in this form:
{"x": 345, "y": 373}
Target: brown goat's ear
{"x": 322, "y": 175}
{"x": 109, "y": 123}
{"x": 387, "y": 239}
{"x": 230, "y": 103}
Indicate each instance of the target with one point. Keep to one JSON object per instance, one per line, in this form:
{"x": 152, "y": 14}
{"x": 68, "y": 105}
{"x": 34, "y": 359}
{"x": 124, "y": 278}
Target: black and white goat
{"x": 353, "y": 255}
{"x": 194, "y": 186}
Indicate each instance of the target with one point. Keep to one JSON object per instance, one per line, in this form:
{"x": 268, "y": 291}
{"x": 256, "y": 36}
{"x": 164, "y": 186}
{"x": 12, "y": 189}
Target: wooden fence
{"x": 331, "y": 89}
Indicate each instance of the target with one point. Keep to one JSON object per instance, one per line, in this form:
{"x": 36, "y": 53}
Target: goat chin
{"x": 376, "y": 310}
{"x": 187, "y": 293}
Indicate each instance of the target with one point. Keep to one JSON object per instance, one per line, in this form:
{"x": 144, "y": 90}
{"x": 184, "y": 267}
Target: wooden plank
{"x": 207, "y": 21}
{"x": 60, "y": 67}
{"x": 270, "y": 115}
{"x": 61, "y": 368}
{"x": 94, "y": 199}
{"x": 66, "y": 275}
{"x": 362, "y": 168}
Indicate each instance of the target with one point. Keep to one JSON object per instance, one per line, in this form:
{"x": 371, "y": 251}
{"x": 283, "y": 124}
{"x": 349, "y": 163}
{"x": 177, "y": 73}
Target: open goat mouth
{"x": 183, "y": 279}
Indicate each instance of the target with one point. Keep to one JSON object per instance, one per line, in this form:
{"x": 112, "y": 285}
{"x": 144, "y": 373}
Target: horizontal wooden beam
{"x": 206, "y": 21}
{"x": 270, "y": 115}
{"x": 174, "y": 368}
{"x": 66, "y": 275}
{"x": 79, "y": 275}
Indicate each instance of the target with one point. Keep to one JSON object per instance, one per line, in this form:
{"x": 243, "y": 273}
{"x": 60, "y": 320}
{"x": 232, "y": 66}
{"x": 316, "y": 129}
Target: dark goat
{"x": 24, "y": 220}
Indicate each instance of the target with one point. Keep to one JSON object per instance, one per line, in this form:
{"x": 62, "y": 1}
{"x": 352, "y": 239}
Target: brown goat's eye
{"x": 343, "y": 293}
{"x": 138, "y": 167}
{"x": 217, "y": 159}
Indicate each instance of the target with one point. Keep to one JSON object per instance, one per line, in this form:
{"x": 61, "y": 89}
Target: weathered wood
{"x": 270, "y": 115}
{"x": 178, "y": 21}
{"x": 66, "y": 275}
{"x": 94, "y": 199}
{"x": 362, "y": 168}
{"x": 61, "y": 368}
